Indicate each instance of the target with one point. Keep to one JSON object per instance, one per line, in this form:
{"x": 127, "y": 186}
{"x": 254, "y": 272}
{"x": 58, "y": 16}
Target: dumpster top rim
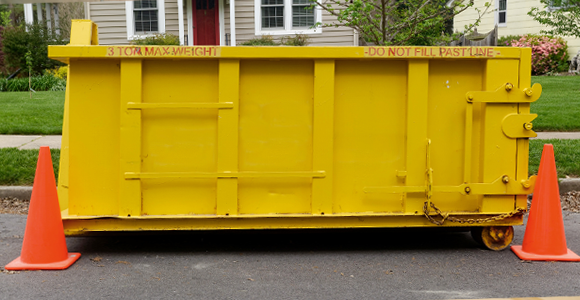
{"x": 214, "y": 52}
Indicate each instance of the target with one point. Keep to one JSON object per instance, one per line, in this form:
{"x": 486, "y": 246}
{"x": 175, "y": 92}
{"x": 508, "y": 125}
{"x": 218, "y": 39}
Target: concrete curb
{"x": 24, "y": 192}
{"x": 18, "y": 192}
{"x": 569, "y": 184}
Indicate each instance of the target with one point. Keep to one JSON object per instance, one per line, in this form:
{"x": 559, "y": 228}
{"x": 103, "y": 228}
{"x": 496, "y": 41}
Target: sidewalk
{"x": 30, "y": 141}
{"x": 53, "y": 141}
{"x": 558, "y": 135}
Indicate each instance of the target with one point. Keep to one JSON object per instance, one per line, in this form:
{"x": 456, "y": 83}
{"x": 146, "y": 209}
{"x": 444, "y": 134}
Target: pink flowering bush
{"x": 549, "y": 54}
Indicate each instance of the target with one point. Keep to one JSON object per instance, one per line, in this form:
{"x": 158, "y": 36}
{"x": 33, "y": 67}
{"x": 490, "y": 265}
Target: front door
{"x": 205, "y": 22}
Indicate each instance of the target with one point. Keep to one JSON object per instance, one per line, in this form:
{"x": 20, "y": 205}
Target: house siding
{"x": 112, "y": 22}
{"x": 172, "y": 17}
{"x": 245, "y": 28}
{"x": 111, "y": 19}
{"x": 517, "y": 21}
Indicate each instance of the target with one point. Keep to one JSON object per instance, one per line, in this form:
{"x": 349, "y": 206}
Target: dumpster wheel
{"x": 493, "y": 237}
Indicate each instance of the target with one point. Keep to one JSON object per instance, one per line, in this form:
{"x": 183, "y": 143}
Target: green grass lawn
{"x": 40, "y": 115}
{"x": 558, "y": 108}
{"x": 566, "y": 152}
{"x": 19, "y": 166}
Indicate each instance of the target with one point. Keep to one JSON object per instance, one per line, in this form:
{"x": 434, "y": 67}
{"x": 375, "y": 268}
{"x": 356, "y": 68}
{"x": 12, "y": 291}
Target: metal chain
{"x": 444, "y": 217}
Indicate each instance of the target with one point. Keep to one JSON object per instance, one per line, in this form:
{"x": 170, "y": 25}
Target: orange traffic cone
{"x": 545, "y": 238}
{"x": 44, "y": 246}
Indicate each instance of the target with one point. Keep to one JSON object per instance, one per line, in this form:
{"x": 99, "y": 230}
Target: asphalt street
{"x": 296, "y": 264}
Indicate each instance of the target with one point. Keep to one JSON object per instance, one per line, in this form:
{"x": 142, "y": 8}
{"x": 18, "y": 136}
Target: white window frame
{"x": 497, "y": 11}
{"x": 287, "y": 21}
{"x": 131, "y": 20}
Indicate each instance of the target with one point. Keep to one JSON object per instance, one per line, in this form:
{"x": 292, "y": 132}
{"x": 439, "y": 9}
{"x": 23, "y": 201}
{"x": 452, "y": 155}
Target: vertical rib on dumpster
{"x": 323, "y": 136}
{"x": 227, "y": 157}
{"x": 417, "y": 112}
{"x": 131, "y": 89}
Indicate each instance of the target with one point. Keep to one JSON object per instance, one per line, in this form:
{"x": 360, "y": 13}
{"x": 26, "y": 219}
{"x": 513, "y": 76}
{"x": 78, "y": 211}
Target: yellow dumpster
{"x": 189, "y": 138}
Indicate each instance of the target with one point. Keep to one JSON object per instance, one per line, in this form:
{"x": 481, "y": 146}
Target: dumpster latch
{"x": 429, "y": 192}
{"x": 503, "y": 185}
{"x": 518, "y": 126}
{"x": 506, "y": 93}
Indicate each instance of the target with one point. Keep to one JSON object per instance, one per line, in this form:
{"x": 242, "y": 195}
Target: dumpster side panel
{"x": 179, "y": 140}
{"x": 275, "y": 135}
{"x": 449, "y": 81}
{"x": 94, "y": 137}
{"x": 370, "y": 126}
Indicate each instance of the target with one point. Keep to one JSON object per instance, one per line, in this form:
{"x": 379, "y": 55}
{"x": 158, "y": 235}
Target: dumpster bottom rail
{"x": 75, "y": 225}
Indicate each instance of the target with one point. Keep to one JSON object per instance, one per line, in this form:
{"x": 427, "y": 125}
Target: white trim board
{"x": 221, "y": 16}
{"x": 28, "y": 15}
{"x": 180, "y": 21}
{"x": 496, "y": 15}
{"x": 189, "y": 8}
{"x": 233, "y": 22}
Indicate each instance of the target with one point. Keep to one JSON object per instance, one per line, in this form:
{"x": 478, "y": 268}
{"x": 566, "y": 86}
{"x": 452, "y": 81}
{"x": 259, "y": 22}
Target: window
{"x": 501, "y": 12}
{"x": 272, "y": 13}
{"x": 286, "y": 17}
{"x": 144, "y": 17}
{"x": 302, "y": 14}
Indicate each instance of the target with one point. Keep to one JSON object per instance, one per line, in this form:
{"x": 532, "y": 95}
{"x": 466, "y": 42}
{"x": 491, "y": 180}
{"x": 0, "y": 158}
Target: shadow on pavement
{"x": 314, "y": 240}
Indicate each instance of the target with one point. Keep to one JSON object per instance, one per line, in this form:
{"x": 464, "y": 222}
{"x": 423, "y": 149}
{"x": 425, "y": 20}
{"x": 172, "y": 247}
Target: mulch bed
{"x": 13, "y": 206}
{"x": 571, "y": 201}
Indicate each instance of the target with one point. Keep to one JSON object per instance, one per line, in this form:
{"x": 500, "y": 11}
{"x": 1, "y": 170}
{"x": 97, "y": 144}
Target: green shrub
{"x": 268, "y": 40}
{"x": 2, "y": 64}
{"x": 59, "y": 72}
{"x": 265, "y": 40}
{"x": 157, "y": 39}
{"x": 17, "y": 41}
{"x": 507, "y": 40}
{"x": 549, "y": 54}
{"x": 298, "y": 40}
{"x": 45, "y": 82}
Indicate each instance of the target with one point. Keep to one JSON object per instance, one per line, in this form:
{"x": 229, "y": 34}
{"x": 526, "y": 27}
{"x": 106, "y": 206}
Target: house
{"x": 511, "y": 18}
{"x": 214, "y": 22}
